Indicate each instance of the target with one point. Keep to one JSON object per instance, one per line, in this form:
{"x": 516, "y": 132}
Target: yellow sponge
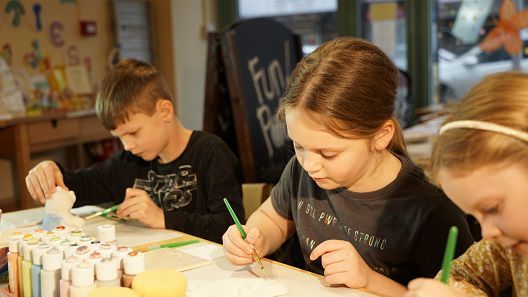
{"x": 160, "y": 283}
{"x": 113, "y": 291}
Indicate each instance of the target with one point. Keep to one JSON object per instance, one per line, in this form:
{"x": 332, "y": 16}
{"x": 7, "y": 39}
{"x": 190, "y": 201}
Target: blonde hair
{"x": 348, "y": 85}
{"x": 474, "y": 137}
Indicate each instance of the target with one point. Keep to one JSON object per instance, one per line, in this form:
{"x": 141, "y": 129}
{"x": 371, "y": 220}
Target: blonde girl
{"x": 481, "y": 162}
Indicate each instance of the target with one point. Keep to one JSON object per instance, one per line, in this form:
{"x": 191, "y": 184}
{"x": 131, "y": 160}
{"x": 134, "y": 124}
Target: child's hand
{"x": 139, "y": 206}
{"x": 237, "y": 250}
{"x": 342, "y": 264}
{"x": 431, "y": 288}
{"x": 42, "y": 180}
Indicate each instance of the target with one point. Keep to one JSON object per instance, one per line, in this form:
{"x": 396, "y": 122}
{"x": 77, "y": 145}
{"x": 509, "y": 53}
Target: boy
{"x": 167, "y": 176}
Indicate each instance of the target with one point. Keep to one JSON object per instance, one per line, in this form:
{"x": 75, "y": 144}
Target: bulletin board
{"x": 37, "y": 34}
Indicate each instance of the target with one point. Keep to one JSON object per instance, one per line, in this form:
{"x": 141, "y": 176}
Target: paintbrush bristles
{"x": 257, "y": 259}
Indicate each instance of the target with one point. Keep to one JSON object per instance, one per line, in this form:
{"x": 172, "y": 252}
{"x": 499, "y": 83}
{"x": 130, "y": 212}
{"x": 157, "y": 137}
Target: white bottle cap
{"x": 120, "y": 254}
{"x": 46, "y": 238}
{"x": 25, "y": 238}
{"x": 134, "y": 262}
{"x": 64, "y": 244}
{"x": 75, "y": 235}
{"x": 28, "y": 247}
{"x": 94, "y": 258}
{"x": 38, "y": 252}
{"x": 55, "y": 241}
{"x": 106, "y": 250}
{"x": 85, "y": 240}
{"x": 67, "y": 265}
{"x": 39, "y": 232}
{"x": 82, "y": 275}
{"x": 14, "y": 238}
{"x": 106, "y": 233}
{"x": 106, "y": 269}
{"x": 82, "y": 252}
{"x": 52, "y": 259}
{"x": 70, "y": 250}
{"x": 95, "y": 245}
{"x": 61, "y": 230}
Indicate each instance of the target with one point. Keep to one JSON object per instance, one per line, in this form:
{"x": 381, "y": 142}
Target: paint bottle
{"x": 26, "y": 267}
{"x": 12, "y": 263}
{"x": 55, "y": 241}
{"x": 39, "y": 233}
{"x": 94, "y": 258}
{"x": 71, "y": 250}
{"x": 37, "y": 267}
{"x": 95, "y": 245}
{"x": 106, "y": 250}
{"x": 106, "y": 273}
{"x": 61, "y": 231}
{"x": 118, "y": 255}
{"x": 65, "y": 282}
{"x": 107, "y": 233}
{"x": 21, "y": 246}
{"x": 82, "y": 252}
{"x": 49, "y": 235}
{"x": 134, "y": 263}
{"x": 51, "y": 273}
{"x": 75, "y": 235}
{"x": 82, "y": 280}
{"x": 64, "y": 244}
{"x": 85, "y": 240}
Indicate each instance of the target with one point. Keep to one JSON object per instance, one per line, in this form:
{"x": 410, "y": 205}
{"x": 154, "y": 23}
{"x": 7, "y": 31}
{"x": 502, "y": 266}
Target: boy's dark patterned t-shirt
{"x": 399, "y": 230}
{"x": 189, "y": 189}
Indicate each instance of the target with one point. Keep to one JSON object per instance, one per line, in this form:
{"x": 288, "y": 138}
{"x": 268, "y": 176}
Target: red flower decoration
{"x": 507, "y": 30}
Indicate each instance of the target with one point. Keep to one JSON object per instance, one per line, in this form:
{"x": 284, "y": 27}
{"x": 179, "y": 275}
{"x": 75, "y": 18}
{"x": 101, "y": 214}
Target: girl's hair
{"x": 348, "y": 86}
{"x": 499, "y": 99}
{"x": 131, "y": 86}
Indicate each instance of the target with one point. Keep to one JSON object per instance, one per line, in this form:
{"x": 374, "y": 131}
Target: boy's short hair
{"x": 131, "y": 86}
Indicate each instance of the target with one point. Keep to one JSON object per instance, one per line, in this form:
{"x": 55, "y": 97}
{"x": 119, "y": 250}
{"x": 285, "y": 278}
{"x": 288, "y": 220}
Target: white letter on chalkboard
{"x": 256, "y": 76}
{"x": 265, "y": 120}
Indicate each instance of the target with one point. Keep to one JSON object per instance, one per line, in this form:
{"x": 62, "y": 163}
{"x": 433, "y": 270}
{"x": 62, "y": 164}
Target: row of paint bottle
{"x": 68, "y": 263}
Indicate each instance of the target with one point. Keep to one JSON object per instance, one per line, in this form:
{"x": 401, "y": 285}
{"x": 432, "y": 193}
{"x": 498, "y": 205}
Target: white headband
{"x": 485, "y": 126}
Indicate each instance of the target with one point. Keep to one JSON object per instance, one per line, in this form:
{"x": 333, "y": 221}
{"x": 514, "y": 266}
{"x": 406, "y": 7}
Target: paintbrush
{"x": 103, "y": 212}
{"x": 169, "y": 245}
{"x": 242, "y": 232}
{"x": 449, "y": 253}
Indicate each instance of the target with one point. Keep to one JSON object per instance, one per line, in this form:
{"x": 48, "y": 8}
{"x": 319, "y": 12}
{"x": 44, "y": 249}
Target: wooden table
{"x": 22, "y": 136}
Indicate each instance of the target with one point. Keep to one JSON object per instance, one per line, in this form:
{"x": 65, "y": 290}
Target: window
{"x": 313, "y": 20}
{"x": 461, "y": 27}
{"x": 383, "y": 23}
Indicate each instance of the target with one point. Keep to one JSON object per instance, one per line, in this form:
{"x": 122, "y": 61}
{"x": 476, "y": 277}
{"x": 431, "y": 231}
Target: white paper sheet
{"x": 172, "y": 258}
{"x": 207, "y": 251}
{"x": 239, "y": 287}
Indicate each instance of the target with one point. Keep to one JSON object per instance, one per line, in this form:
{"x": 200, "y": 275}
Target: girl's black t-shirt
{"x": 400, "y": 230}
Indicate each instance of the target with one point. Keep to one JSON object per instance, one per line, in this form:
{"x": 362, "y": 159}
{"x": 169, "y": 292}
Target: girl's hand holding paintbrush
{"x": 243, "y": 235}
{"x": 238, "y": 250}
{"x": 139, "y": 206}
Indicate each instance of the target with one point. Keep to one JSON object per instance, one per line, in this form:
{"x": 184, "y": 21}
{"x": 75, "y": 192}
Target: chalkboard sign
{"x": 218, "y": 118}
{"x": 257, "y": 55}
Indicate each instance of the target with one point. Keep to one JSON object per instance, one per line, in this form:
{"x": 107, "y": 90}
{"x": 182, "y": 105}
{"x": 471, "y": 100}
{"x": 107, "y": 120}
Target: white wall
{"x": 190, "y": 18}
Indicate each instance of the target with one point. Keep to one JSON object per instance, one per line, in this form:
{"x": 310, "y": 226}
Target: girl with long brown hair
{"x": 365, "y": 215}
